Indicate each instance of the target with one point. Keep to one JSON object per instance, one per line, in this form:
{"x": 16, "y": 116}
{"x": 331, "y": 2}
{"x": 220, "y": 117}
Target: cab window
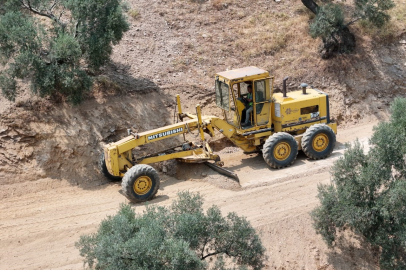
{"x": 222, "y": 95}
{"x": 260, "y": 91}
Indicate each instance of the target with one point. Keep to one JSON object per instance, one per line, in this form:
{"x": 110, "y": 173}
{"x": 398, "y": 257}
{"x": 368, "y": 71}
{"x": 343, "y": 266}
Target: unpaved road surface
{"x": 38, "y": 230}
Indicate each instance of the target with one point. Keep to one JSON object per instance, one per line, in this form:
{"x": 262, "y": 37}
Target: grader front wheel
{"x": 140, "y": 183}
{"x": 280, "y": 150}
{"x": 104, "y": 171}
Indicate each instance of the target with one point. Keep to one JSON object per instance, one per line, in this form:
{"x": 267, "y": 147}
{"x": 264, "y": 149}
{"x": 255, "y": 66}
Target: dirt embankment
{"x": 63, "y": 143}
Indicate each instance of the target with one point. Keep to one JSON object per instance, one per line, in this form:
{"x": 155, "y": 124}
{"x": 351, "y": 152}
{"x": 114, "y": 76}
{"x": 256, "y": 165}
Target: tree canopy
{"x": 332, "y": 23}
{"x": 368, "y": 192}
{"x": 56, "y": 44}
{"x": 181, "y": 236}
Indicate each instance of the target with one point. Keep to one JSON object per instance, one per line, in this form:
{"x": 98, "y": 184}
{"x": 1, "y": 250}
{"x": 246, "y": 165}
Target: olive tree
{"x": 56, "y": 45}
{"x": 368, "y": 192}
{"x": 332, "y": 26}
{"x": 181, "y": 236}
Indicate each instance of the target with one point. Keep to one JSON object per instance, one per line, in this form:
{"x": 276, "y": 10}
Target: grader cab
{"x": 278, "y": 124}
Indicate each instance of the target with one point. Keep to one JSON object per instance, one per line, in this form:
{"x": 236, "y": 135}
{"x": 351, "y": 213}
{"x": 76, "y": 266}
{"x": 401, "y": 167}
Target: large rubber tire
{"x": 318, "y": 141}
{"x": 280, "y": 150}
{"x": 104, "y": 171}
{"x": 140, "y": 183}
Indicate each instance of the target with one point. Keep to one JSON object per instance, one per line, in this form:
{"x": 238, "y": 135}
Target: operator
{"x": 248, "y": 106}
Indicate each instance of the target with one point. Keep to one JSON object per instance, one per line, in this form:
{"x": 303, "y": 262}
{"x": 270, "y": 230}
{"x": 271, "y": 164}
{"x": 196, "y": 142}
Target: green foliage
{"x": 57, "y": 55}
{"x": 329, "y": 19}
{"x": 330, "y": 23}
{"x": 368, "y": 192}
{"x": 181, "y": 236}
{"x": 99, "y": 29}
{"x": 374, "y": 11}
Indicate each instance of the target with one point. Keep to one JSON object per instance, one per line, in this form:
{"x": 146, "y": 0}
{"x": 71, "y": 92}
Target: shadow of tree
{"x": 371, "y": 94}
{"x": 350, "y": 248}
{"x": 120, "y": 74}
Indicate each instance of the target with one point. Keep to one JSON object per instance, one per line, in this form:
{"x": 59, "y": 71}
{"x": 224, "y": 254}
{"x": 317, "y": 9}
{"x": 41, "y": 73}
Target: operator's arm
{"x": 249, "y": 99}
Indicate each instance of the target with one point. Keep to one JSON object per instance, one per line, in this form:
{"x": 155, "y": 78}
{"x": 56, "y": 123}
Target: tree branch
{"x": 49, "y": 15}
{"x": 76, "y": 30}
{"x": 334, "y": 38}
{"x": 211, "y": 254}
{"x": 62, "y": 12}
{"x": 354, "y": 21}
{"x": 52, "y": 7}
{"x": 204, "y": 246}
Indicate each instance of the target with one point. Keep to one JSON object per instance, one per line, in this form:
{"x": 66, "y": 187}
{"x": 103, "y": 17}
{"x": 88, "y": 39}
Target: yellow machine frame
{"x": 272, "y": 113}
{"x": 119, "y": 157}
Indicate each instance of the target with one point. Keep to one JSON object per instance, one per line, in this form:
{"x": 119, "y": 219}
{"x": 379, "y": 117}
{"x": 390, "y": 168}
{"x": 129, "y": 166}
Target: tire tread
{"x": 268, "y": 147}
{"x": 135, "y": 172}
{"x": 307, "y": 141}
{"x": 104, "y": 171}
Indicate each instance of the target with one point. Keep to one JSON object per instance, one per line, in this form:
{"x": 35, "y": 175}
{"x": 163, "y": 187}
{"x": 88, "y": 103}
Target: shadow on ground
{"x": 349, "y": 246}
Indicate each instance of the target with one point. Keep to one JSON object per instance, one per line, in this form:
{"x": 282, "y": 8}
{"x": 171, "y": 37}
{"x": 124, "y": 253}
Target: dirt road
{"x": 38, "y": 229}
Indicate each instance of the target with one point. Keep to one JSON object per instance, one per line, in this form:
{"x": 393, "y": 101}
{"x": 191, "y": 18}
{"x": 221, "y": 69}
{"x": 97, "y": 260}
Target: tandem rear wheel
{"x": 318, "y": 141}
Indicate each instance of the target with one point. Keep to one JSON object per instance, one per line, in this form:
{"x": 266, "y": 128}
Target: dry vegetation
{"x": 241, "y": 33}
{"x": 134, "y": 13}
{"x": 274, "y": 36}
{"x": 392, "y": 30}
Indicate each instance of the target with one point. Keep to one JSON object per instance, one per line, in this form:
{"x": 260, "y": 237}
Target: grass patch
{"x": 105, "y": 84}
{"x": 266, "y": 38}
{"x": 221, "y": 4}
{"x": 269, "y": 33}
{"x": 135, "y": 14}
{"x": 398, "y": 14}
{"x": 180, "y": 64}
{"x": 385, "y": 34}
{"x": 390, "y": 30}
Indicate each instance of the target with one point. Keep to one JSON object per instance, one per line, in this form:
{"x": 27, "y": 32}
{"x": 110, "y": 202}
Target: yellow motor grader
{"x": 279, "y": 125}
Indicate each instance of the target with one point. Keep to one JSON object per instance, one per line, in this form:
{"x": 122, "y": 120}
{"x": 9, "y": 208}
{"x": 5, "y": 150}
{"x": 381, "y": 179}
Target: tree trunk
{"x": 342, "y": 41}
{"x": 311, "y": 5}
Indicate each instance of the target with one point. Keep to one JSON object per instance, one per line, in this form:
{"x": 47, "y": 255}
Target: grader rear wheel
{"x": 280, "y": 150}
{"x": 318, "y": 141}
{"x": 140, "y": 183}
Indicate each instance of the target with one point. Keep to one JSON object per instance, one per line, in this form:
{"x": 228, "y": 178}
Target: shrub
{"x": 181, "y": 236}
{"x": 368, "y": 192}
{"x": 58, "y": 54}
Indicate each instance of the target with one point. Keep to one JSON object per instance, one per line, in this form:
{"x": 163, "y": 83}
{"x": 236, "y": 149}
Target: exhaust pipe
{"x": 304, "y": 85}
{"x": 284, "y": 86}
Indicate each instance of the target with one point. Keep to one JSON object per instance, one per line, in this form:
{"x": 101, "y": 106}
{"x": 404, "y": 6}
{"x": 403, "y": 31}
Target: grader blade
{"x": 222, "y": 171}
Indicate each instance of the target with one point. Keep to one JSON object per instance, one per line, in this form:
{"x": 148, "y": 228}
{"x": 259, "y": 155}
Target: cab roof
{"x": 241, "y": 73}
